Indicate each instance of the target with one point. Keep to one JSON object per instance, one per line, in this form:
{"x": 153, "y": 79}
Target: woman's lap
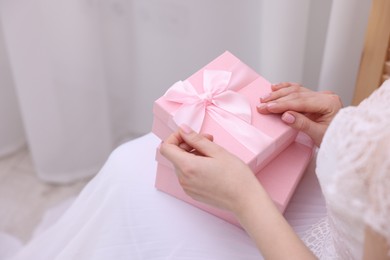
{"x": 120, "y": 215}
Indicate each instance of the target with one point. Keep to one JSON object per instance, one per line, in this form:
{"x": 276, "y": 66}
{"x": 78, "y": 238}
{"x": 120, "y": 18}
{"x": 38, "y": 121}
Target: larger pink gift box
{"x": 279, "y": 178}
{"x": 278, "y": 159}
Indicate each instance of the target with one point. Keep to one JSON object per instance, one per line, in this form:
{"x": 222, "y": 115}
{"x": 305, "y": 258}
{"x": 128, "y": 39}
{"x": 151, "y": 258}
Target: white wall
{"x": 86, "y": 72}
{"x": 317, "y": 29}
{"x": 283, "y": 30}
{"x": 343, "y": 47}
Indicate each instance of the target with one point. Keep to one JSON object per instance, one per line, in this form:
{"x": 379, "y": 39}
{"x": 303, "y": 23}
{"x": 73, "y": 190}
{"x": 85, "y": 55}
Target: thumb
{"x": 201, "y": 143}
{"x": 302, "y": 123}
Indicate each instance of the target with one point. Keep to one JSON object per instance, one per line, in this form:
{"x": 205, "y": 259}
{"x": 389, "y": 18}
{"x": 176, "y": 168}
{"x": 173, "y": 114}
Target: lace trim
{"x": 319, "y": 240}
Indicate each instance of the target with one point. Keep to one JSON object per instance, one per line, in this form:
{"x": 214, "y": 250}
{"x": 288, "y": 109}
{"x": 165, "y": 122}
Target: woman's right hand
{"x": 303, "y": 109}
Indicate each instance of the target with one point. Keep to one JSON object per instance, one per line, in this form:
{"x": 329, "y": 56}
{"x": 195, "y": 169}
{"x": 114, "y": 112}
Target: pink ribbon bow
{"x": 227, "y": 107}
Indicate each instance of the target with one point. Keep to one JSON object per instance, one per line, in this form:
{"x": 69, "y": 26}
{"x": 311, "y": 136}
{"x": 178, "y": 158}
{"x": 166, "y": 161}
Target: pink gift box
{"x": 267, "y": 134}
{"x": 221, "y": 100}
{"x": 279, "y": 178}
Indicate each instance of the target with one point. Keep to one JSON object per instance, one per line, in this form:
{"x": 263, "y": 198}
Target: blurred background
{"x": 79, "y": 77}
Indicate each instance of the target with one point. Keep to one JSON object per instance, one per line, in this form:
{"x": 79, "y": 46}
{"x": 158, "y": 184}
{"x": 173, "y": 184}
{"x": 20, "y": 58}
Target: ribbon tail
{"x": 234, "y": 103}
{"x": 250, "y": 137}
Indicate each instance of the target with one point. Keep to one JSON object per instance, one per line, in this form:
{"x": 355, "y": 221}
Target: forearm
{"x": 268, "y": 228}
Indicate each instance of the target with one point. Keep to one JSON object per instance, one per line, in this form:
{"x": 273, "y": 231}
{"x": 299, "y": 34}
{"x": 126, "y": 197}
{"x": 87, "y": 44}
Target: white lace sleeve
{"x": 353, "y": 168}
{"x": 378, "y": 209}
{"x": 378, "y": 174}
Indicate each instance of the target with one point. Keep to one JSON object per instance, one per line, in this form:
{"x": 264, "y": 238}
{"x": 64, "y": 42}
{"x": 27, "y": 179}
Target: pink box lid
{"x": 248, "y": 83}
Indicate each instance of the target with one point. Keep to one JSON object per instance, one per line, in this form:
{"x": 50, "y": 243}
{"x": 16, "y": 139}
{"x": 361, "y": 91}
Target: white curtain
{"x": 79, "y": 77}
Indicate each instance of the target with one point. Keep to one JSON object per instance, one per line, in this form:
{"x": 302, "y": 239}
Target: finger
{"x": 179, "y": 150}
{"x": 262, "y": 109}
{"x": 199, "y": 142}
{"x": 188, "y": 148}
{"x": 174, "y": 139}
{"x": 279, "y": 93}
{"x": 174, "y": 153}
{"x": 283, "y": 92}
{"x": 305, "y": 103}
{"x": 280, "y": 85}
{"x": 285, "y": 103}
{"x": 274, "y": 87}
{"x": 302, "y": 123}
{"x": 208, "y": 136}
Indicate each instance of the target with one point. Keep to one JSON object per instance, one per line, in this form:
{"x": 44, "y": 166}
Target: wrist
{"x": 262, "y": 221}
{"x": 251, "y": 198}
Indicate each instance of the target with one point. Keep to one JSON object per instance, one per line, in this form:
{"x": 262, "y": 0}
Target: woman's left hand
{"x": 209, "y": 173}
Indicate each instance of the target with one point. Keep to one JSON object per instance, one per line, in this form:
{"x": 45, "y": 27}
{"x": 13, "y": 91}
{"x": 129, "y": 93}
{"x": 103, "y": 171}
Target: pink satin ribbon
{"x": 228, "y": 108}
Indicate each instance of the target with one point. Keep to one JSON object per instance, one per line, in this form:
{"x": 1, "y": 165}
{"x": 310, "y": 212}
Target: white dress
{"x": 353, "y": 167}
{"x": 120, "y": 215}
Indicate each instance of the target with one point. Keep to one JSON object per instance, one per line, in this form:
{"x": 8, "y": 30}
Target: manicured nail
{"x": 270, "y": 105}
{"x": 261, "y": 106}
{"x": 288, "y": 118}
{"x": 186, "y": 129}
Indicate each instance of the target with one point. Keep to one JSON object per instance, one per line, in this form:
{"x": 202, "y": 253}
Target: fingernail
{"x": 270, "y": 105}
{"x": 261, "y": 106}
{"x": 288, "y": 118}
{"x": 186, "y": 129}
{"x": 265, "y": 96}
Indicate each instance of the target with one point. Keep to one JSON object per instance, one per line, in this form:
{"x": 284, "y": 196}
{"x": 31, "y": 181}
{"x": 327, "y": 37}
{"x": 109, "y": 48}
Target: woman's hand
{"x": 209, "y": 173}
{"x": 305, "y": 110}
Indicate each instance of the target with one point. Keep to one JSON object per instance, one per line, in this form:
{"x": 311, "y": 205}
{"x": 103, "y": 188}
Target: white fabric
{"x": 120, "y": 215}
{"x": 353, "y": 167}
{"x": 9, "y": 245}
{"x": 79, "y": 77}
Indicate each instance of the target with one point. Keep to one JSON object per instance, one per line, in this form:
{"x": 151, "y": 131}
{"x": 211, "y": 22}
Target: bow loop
{"x": 216, "y": 81}
{"x": 182, "y": 92}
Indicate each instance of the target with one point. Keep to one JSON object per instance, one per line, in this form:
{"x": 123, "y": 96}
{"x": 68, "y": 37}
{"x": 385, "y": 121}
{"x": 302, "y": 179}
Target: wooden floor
{"x": 24, "y": 198}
